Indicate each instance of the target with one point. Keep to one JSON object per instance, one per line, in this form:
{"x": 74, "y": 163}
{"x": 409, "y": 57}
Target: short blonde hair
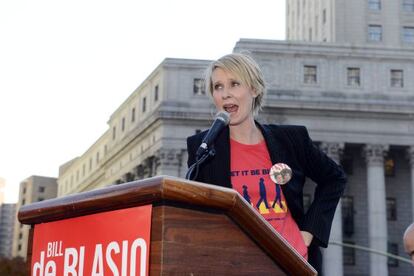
{"x": 244, "y": 67}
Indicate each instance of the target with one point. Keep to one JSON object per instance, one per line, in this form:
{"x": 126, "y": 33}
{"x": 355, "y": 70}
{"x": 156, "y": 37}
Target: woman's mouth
{"x": 231, "y": 108}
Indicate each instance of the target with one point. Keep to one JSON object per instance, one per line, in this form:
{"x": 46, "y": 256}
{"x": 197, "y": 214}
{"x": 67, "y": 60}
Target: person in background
{"x": 245, "y": 151}
{"x": 409, "y": 241}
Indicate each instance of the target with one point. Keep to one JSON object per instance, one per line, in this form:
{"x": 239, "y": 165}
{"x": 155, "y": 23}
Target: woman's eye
{"x": 235, "y": 83}
{"x": 218, "y": 86}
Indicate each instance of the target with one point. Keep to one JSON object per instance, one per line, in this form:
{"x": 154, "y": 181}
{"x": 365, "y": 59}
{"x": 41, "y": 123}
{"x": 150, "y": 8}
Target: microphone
{"x": 221, "y": 121}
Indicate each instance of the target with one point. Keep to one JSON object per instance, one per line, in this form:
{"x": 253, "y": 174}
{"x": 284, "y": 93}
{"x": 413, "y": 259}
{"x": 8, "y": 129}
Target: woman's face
{"x": 230, "y": 95}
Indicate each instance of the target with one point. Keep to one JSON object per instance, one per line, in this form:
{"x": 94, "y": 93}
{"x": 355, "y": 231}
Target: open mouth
{"x": 231, "y": 108}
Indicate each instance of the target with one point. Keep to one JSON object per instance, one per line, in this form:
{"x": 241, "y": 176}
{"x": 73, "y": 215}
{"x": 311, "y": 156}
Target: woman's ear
{"x": 254, "y": 93}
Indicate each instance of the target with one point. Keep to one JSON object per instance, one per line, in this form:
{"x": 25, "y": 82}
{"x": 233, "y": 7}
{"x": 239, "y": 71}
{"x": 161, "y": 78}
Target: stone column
{"x": 377, "y": 207}
{"x": 410, "y": 153}
{"x": 332, "y": 256}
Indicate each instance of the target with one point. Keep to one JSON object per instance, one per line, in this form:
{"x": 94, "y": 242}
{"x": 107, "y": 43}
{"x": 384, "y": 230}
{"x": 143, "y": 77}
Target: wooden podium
{"x": 196, "y": 228}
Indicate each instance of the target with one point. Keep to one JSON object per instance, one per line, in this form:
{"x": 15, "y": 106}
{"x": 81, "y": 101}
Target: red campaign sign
{"x": 109, "y": 243}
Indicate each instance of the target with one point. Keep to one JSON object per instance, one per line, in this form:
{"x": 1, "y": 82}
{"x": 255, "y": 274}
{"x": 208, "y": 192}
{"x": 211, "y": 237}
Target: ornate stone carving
{"x": 374, "y": 154}
{"x": 333, "y": 149}
{"x": 169, "y": 157}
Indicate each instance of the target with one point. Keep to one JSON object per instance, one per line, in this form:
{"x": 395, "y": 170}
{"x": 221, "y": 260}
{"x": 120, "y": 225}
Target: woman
{"x": 246, "y": 150}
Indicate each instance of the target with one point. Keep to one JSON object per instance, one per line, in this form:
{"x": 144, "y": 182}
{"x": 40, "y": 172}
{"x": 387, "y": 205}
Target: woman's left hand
{"x": 307, "y": 237}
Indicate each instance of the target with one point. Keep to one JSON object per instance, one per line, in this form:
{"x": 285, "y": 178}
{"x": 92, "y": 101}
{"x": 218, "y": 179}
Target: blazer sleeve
{"x": 191, "y": 150}
{"x": 330, "y": 180}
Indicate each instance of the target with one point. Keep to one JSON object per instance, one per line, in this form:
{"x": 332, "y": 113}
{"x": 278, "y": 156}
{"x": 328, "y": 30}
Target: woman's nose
{"x": 225, "y": 93}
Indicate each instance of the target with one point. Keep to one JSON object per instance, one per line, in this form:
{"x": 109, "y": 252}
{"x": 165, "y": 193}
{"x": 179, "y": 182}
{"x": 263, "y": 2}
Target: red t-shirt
{"x": 250, "y": 166}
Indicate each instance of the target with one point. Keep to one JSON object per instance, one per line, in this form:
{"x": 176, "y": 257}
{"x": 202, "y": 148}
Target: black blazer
{"x": 290, "y": 145}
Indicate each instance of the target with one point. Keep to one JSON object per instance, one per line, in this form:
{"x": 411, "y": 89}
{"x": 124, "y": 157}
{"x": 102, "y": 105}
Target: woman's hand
{"x": 307, "y": 237}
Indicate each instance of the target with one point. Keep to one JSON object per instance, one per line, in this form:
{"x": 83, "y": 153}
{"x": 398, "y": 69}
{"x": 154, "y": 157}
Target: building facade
{"x": 376, "y": 22}
{"x": 362, "y": 117}
{"x": 32, "y": 189}
{"x": 7, "y": 219}
{"x": 146, "y": 134}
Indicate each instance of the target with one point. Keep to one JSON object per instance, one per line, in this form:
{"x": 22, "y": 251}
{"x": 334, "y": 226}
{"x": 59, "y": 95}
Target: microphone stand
{"x": 200, "y": 160}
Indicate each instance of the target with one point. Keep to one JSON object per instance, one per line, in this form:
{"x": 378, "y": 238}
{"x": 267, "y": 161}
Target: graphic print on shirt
{"x": 249, "y": 172}
{"x": 270, "y": 203}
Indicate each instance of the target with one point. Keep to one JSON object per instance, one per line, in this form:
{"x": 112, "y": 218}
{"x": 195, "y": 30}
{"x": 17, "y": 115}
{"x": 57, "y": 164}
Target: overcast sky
{"x": 65, "y": 66}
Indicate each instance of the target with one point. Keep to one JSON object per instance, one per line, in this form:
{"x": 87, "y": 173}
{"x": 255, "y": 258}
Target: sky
{"x": 66, "y": 66}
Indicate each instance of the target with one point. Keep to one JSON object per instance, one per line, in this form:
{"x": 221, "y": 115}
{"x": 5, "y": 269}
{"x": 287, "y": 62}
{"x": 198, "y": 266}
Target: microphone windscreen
{"x": 223, "y": 116}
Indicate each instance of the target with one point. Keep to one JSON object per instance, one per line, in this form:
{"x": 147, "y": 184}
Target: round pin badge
{"x": 280, "y": 173}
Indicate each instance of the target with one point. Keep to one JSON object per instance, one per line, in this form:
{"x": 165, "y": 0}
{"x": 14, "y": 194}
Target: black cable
{"x": 197, "y": 164}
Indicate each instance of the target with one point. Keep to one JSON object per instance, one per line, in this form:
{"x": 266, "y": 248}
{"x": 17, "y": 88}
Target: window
{"x": 374, "y": 5}
{"x": 408, "y": 5}
{"x": 41, "y": 189}
{"x": 156, "y": 93}
{"x": 310, "y": 34}
{"x": 397, "y": 78}
{"x": 324, "y": 16}
{"x": 389, "y": 166}
{"x": 353, "y": 77}
{"x": 90, "y": 164}
{"x": 23, "y": 201}
{"x": 144, "y": 104}
{"x": 113, "y": 133}
{"x": 97, "y": 157}
{"x": 198, "y": 87}
{"x": 19, "y": 247}
{"x": 393, "y": 249}
{"x": 20, "y": 236}
{"x": 83, "y": 169}
{"x": 133, "y": 115}
{"x": 309, "y": 75}
{"x": 348, "y": 215}
{"x": 349, "y": 253}
{"x": 375, "y": 33}
{"x": 408, "y": 34}
{"x": 24, "y": 190}
{"x": 123, "y": 124}
{"x": 391, "y": 209}
{"x": 40, "y": 199}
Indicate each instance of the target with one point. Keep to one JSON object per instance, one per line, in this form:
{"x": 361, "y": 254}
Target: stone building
{"x": 7, "y": 219}
{"x": 385, "y": 29}
{"x": 32, "y": 189}
{"x": 146, "y": 134}
{"x": 363, "y": 118}
{"x": 384, "y": 22}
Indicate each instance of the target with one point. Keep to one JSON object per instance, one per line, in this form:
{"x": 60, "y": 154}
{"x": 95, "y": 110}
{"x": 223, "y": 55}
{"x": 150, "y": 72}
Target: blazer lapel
{"x": 276, "y": 150}
{"x": 220, "y": 169}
